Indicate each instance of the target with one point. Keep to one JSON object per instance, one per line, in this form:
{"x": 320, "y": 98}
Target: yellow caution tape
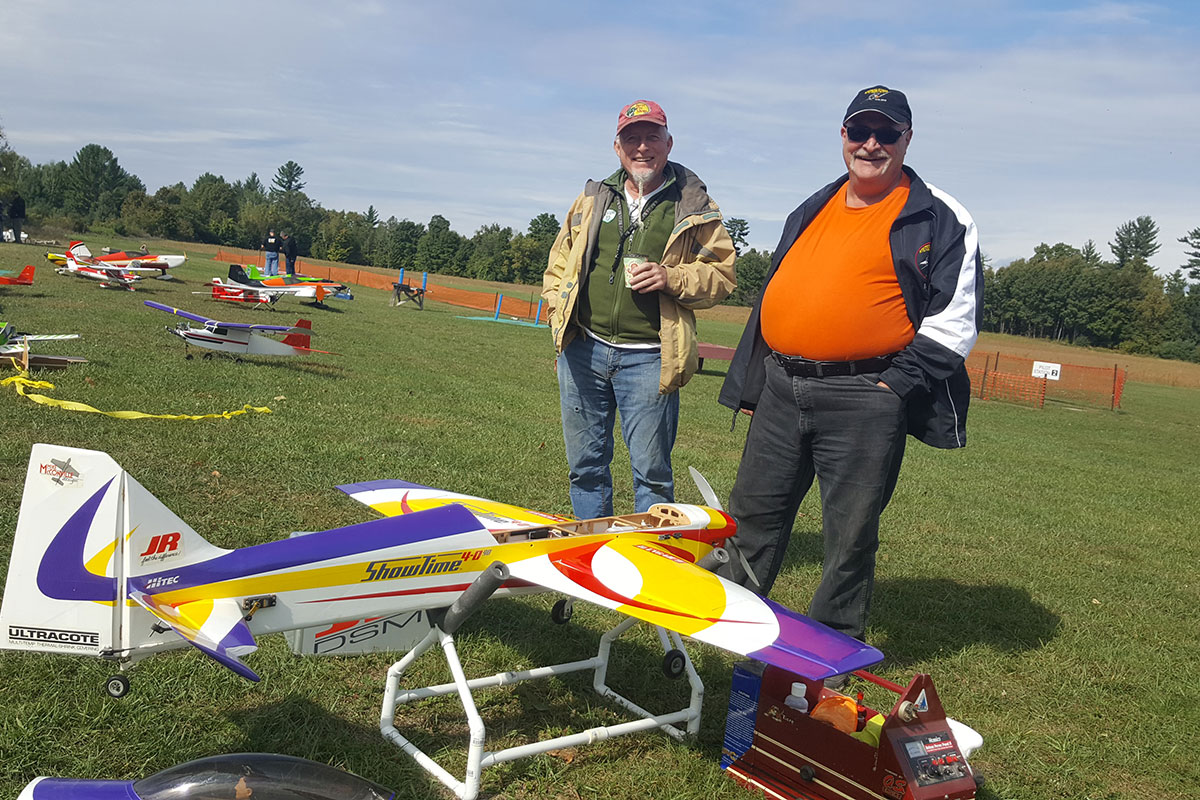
{"x": 21, "y": 383}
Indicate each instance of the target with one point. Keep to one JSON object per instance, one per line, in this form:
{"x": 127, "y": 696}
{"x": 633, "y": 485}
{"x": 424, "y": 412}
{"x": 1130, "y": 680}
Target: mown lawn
{"x": 1045, "y": 575}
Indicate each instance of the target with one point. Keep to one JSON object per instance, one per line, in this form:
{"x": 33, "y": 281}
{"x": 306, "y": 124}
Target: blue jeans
{"x": 271, "y": 266}
{"x": 596, "y": 381}
{"x": 847, "y": 432}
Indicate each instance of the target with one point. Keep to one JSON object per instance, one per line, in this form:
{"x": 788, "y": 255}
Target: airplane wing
{"x": 393, "y": 498}
{"x": 214, "y": 627}
{"x": 177, "y": 312}
{"x": 642, "y": 580}
{"x": 212, "y": 324}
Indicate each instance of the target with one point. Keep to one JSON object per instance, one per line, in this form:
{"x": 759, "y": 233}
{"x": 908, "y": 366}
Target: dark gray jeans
{"x": 846, "y": 431}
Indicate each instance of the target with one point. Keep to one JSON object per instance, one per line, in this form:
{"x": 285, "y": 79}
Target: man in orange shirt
{"x": 858, "y": 338}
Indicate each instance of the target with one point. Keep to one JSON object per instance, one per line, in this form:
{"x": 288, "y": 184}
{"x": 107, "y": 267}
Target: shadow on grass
{"x": 297, "y": 726}
{"x": 504, "y": 635}
{"x": 915, "y": 619}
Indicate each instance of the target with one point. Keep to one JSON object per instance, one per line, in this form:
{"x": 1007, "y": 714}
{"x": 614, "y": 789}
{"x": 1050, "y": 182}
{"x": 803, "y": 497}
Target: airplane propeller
{"x": 710, "y": 499}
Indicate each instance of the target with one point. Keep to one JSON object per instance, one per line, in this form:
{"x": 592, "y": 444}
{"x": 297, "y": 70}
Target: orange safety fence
{"x": 1022, "y": 389}
{"x": 1068, "y": 383}
{"x": 521, "y": 307}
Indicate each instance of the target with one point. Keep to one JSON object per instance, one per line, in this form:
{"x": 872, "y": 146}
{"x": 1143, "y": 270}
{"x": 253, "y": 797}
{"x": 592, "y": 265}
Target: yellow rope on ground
{"x": 21, "y": 383}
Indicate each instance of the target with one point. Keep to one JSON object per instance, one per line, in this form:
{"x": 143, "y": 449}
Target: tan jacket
{"x": 699, "y": 259}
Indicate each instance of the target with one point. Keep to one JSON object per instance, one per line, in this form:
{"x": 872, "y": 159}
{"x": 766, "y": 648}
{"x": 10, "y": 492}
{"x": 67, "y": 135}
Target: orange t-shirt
{"x": 835, "y": 296}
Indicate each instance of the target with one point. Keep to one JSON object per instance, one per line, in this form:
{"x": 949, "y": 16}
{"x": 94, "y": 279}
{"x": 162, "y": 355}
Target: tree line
{"x": 93, "y": 192}
{"x": 1060, "y": 292}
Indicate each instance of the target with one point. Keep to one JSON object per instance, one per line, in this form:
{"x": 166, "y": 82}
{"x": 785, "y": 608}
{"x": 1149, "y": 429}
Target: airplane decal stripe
{"x": 576, "y": 566}
{"x": 513, "y": 583}
{"x": 351, "y": 540}
{"x": 61, "y": 573}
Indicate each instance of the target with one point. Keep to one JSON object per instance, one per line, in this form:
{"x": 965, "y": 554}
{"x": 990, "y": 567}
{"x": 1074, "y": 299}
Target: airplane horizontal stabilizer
{"x": 215, "y": 627}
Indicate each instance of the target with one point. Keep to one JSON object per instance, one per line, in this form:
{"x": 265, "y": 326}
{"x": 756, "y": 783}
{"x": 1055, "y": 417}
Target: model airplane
{"x": 14, "y": 348}
{"x": 242, "y": 775}
{"x": 253, "y": 274}
{"x": 109, "y": 277}
{"x": 101, "y": 568}
{"x": 24, "y": 278}
{"x": 242, "y": 338}
{"x": 289, "y": 284}
{"x": 238, "y": 293}
{"x": 144, "y": 261}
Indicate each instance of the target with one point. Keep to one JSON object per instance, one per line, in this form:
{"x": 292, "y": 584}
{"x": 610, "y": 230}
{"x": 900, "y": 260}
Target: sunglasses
{"x": 861, "y": 133}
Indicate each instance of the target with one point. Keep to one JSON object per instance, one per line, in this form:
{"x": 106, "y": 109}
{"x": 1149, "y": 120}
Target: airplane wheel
{"x": 562, "y": 611}
{"x": 117, "y": 686}
{"x": 188, "y": 357}
{"x": 673, "y": 664}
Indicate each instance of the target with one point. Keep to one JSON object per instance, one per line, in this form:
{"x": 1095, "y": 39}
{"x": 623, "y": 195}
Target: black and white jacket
{"x": 935, "y": 248}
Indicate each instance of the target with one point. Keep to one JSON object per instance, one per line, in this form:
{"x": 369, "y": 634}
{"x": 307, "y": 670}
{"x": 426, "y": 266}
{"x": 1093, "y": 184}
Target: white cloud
{"x": 1049, "y": 125}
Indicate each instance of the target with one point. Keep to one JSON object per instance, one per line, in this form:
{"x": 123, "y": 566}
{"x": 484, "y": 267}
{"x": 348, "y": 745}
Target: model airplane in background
{"x": 101, "y": 568}
{"x": 242, "y": 338}
{"x": 109, "y": 277}
{"x": 238, "y": 293}
{"x": 24, "y": 278}
{"x": 289, "y": 284}
{"x": 241, "y": 775}
{"x": 143, "y": 261}
{"x": 14, "y": 348}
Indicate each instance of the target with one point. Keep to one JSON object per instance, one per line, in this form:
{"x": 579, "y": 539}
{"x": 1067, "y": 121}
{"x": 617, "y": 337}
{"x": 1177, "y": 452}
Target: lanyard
{"x": 633, "y": 226}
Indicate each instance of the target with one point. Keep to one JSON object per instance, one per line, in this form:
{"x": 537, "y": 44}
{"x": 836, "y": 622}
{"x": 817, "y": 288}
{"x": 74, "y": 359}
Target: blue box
{"x": 743, "y": 710}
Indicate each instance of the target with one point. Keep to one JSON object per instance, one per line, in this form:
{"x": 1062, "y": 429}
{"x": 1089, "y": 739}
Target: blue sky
{"x": 1050, "y": 121}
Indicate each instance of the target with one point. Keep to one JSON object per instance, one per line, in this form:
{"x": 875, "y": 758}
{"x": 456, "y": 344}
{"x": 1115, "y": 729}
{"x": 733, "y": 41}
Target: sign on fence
{"x": 1047, "y": 369}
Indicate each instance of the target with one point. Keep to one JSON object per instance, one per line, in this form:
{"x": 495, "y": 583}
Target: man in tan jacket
{"x": 637, "y": 253}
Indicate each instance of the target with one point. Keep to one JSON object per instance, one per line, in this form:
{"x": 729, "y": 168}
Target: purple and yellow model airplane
{"x": 101, "y": 568}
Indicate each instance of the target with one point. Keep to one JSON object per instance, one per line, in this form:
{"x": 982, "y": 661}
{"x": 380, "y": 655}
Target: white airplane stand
{"x": 477, "y": 758}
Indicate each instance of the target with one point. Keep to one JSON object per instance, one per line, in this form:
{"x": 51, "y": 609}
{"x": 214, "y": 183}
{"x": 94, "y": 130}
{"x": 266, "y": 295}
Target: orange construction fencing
{"x": 1022, "y": 389}
{"x": 526, "y": 307}
{"x": 1067, "y": 383}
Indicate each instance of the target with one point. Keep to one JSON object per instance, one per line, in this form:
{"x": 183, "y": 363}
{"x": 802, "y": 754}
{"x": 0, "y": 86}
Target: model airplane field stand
{"x": 675, "y": 663}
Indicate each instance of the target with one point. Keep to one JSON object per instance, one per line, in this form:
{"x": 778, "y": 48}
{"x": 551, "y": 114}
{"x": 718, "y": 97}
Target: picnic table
{"x": 715, "y": 351}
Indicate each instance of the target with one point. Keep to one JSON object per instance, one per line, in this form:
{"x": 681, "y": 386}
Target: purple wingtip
{"x": 75, "y": 789}
{"x": 815, "y": 651}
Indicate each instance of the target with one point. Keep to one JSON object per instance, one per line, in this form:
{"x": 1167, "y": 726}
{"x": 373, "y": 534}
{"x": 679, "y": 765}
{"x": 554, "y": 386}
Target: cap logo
{"x": 878, "y": 94}
{"x": 637, "y": 109}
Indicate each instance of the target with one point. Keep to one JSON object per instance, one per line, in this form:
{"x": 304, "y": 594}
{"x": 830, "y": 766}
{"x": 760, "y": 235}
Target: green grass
{"x": 1045, "y": 575}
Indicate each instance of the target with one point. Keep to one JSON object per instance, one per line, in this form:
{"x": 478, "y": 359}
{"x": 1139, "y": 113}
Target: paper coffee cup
{"x": 629, "y": 262}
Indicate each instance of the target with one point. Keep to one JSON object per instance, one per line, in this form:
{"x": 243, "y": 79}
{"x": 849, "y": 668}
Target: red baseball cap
{"x": 641, "y": 111}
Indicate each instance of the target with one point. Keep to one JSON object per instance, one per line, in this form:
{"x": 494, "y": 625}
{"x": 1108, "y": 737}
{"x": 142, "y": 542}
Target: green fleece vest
{"x": 607, "y": 307}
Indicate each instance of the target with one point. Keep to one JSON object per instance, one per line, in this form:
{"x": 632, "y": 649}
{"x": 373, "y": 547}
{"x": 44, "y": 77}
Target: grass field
{"x": 1045, "y": 575}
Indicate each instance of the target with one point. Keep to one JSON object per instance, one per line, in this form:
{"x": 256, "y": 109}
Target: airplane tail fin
{"x": 25, "y": 278}
{"x": 85, "y": 529}
{"x": 78, "y": 250}
{"x": 299, "y": 339}
{"x": 238, "y": 275}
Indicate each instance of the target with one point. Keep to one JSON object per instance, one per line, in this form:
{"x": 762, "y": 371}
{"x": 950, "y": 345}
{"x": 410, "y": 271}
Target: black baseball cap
{"x": 890, "y": 102}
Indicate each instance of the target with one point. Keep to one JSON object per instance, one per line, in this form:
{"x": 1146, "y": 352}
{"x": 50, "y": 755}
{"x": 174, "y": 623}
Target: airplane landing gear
{"x": 562, "y": 611}
{"x": 673, "y": 664}
{"x": 117, "y": 686}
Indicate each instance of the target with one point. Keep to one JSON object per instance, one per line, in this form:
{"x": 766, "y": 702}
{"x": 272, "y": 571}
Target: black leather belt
{"x": 798, "y": 367}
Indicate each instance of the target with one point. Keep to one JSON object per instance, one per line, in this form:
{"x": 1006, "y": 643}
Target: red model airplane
{"x": 25, "y": 278}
